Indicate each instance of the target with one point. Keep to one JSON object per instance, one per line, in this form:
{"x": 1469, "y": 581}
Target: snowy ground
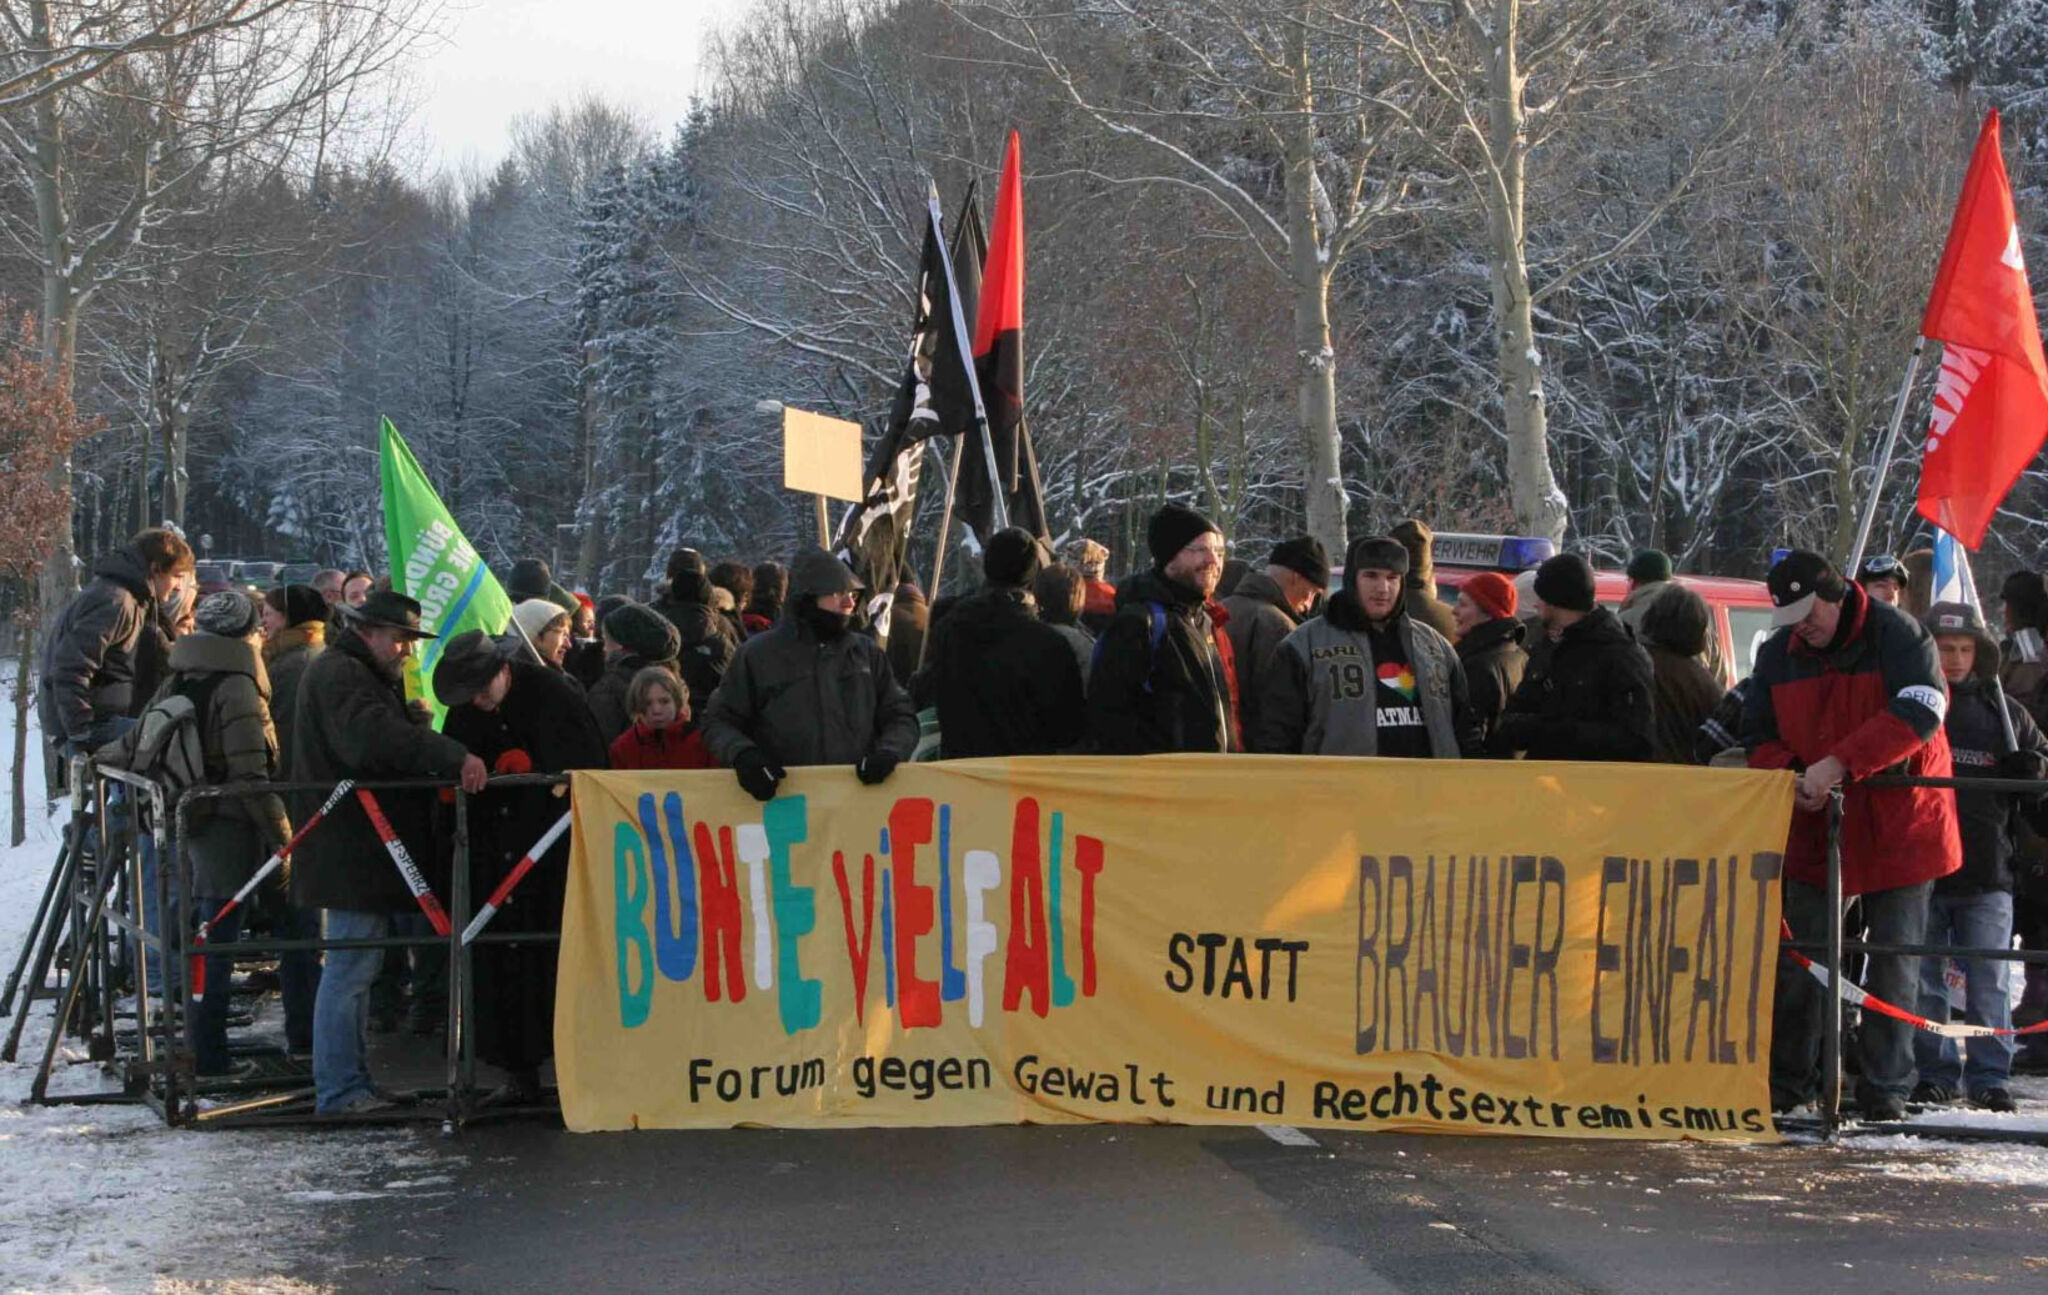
{"x": 105, "y": 1198}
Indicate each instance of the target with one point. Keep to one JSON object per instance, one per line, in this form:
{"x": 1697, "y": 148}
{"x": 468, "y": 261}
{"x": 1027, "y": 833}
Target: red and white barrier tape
{"x": 513, "y": 878}
{"x": 437, "y": 916}
{"x": 276, "y": 861}
{"x": 1856, "y": 996}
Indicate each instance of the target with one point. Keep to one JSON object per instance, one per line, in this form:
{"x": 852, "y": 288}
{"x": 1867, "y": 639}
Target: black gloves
{"x": 758, "y": 774}
{"x": 875, "y": 767}
{"x": 2030, "y": 765}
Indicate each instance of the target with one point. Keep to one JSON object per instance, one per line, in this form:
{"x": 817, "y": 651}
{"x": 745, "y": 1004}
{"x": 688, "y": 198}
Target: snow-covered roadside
{"x": 105, "y": 1198}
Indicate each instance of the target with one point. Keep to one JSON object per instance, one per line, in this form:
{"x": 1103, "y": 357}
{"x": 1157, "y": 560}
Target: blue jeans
{"x": 1981, "y": 921}
{"x": 341, "y": 1010}
{"x": 298, "y": 972}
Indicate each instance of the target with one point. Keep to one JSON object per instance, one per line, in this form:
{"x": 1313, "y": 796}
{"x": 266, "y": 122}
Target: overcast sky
{"x": 504, "y": 57}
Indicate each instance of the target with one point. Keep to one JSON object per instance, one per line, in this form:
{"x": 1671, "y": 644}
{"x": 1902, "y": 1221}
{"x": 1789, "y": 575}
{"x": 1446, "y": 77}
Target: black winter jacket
{"x": 709, "y": 639}
{"x": 1494, "y": 662}
{"x": 804, "y": 702}
{"x": 1174, "y": 698}
{"x": 90, "y": 671}
{"x": 1005, "y": 682}
{"x": 1260, "y": 621}
{"x": 1589, "y": 700}
{"x": 351, "y": 721}
{"x": 543, "y": 715}
{"x": 1987, "y": 819}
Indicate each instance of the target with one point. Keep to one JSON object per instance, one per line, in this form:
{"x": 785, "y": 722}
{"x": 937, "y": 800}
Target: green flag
{"x": 432, "y": 562}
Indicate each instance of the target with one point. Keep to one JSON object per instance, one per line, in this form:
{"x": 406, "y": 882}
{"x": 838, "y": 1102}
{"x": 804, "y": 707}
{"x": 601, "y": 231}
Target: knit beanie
{"x": 530, "y": 578}
{"x": 1649, "y": 567}
{"x": 643, "y": 632}
{"x": 227, "y": 613}
{"x": 1494, "y": 593}
{"x": 1566, "y": 581}
{"x": 1375, "y": 553}
{"x": 1012, "y": 558}
{"x": 1172, "y": 529}
{"x": 535, "y": 615}
{"x": 1304, "y": 556}
{"x": 297, "y": 603}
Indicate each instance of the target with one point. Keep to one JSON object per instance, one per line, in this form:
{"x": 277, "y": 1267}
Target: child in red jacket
{"x": 663, "y": 735}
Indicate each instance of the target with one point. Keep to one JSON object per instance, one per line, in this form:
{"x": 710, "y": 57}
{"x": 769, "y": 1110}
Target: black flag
{"x": 935, "y": 398}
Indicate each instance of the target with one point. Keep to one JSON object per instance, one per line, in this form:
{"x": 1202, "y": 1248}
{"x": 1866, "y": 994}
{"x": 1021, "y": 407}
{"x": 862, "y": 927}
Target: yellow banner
{"x": 1484, "y": 947}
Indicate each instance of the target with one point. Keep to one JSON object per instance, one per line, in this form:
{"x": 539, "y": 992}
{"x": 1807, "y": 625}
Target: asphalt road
{"x": 532, "y": 1208}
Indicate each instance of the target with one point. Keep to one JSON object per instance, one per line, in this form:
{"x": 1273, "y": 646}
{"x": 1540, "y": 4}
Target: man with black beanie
{"x": 1367, "y": 677}
{"x": 1163, "y": 677}
{"x": 1004, "y": 682}
{"x": 1265, "y": 608}
{"x": 1846, "y": 688}
{"x": 1589, "y": 697}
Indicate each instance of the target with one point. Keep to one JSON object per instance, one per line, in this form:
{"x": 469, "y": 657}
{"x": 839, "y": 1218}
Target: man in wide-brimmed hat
{"x": 352, "y": 721}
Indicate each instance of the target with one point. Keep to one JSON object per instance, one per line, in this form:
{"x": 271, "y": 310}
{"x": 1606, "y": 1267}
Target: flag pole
{"x": 1884, "y": 458}
{"x": 945, "y": 524}
{"x": 964, "y": 339}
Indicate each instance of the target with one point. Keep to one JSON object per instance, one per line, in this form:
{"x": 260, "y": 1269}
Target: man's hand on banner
{"x": 758, "y": 774}
{"x": 875, "y": 767}
{"x": 1820, "y": 778}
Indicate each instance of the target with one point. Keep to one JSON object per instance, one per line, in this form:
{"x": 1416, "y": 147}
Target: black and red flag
{"x": 999, "y": 366}
{"x": 934, "y": 398}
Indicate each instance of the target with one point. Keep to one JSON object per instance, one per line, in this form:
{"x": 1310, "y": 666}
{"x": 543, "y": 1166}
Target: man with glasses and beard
{"x": 1164, "y": 677}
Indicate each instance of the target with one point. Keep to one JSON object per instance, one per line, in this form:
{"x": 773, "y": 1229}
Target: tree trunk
{"x": 17, "y": 826}
{"x": 1315, "y": 361}
{"x": 1540, "y": 508}
{"x": 586, "y": 446}
{"x": 59, "y": 577}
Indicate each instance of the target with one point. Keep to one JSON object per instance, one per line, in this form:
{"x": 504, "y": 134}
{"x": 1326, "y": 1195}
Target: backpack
{"x": 166, "y": 744}
{"x": 1155, "y": 635}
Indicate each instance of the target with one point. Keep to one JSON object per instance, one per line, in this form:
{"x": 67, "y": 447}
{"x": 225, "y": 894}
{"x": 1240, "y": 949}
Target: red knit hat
{"x": 1494, "y": 593}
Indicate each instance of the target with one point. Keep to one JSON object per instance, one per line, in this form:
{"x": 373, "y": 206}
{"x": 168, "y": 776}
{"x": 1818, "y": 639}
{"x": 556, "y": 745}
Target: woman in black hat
{"x": 520, "y": 717}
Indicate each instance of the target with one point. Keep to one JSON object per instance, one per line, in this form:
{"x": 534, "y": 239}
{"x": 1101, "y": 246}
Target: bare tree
{"x": 1272, "y": 109}
{"x": 106, "y": 158}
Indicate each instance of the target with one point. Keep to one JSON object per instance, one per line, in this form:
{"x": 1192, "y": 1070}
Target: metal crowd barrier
{"x": 90, "y": 932}
{"x": 1834, "y": 946}
{"x": 91, "y": 915}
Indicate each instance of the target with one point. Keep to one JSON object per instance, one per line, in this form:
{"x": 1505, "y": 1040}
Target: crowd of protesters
{"x": 761, "y": 668}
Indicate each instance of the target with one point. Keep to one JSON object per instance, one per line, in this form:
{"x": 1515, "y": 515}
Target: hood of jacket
{"x": 1675, "y": 618}
{"x": 125, "y": 567}
{"x": 1345, "y": 612}
{"x": 1260, "y": 587}
{"x": 203, "y": 653}
{"x": 1599, "y": 626}
{"x": 690, "y": 587}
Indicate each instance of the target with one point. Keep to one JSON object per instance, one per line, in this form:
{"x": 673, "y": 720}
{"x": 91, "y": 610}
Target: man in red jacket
{"x": 1847, "y": 688}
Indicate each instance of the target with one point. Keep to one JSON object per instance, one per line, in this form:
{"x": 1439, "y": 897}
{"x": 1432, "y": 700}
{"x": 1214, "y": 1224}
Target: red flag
{"x": 999, "y": 367}
{"x": 1991, "y": 403}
